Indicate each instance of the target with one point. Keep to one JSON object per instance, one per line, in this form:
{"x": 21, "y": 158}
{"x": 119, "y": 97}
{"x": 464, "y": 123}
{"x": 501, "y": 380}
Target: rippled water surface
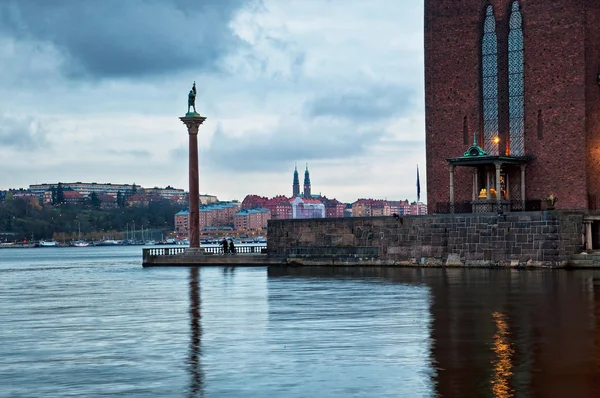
{"x": 92, "y": 322}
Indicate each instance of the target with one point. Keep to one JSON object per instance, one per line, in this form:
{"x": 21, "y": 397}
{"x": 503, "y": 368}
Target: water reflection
{"x": 375, "y": 332}
{"x": 503, "y": 364}
{"x": 196, "y": 388}
{"x": 504, "y": 333}
{"x": 228, "y": 272}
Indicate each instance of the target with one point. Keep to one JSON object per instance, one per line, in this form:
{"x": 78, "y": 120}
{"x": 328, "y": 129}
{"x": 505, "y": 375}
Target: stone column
{"x": 452, "y": 188}
{"x": 488, "y": 184}
{"x": 498, "y": 193}
{"x": 523, "y": 186}
{"x": 475, "y": 191}
{"x": 588, "y": 235}
{"x": 193, "y": 122}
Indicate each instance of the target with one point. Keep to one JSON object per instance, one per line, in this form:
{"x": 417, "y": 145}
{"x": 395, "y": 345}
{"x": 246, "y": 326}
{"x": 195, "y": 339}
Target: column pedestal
{"x": 193, "y": 251}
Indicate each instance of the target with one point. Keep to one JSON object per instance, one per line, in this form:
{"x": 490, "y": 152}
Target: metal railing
{"x": 490, "y": 206}
{"x": 173, "y": 251}
{"x": 165, "y": 251}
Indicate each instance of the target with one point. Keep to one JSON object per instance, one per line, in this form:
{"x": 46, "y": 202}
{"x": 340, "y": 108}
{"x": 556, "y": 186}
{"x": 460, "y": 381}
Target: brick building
{"x": 212, "y": 217}
{"x": 165, "y": 193}
{"x": 218, "y": 214}
{"x": 279, "y": 206}
{"x": 252, "y": 219}
{"x": 108, "y": 201}
{"x": 86, "y": 188}
{"x": 333, "y": 208}
{"x": 73, "y": 197}
{"x": 182, "y": 222}
{"x": 516, "y": 85}
{"x": 380, "y": 207}
{"x": 254, "y": 201}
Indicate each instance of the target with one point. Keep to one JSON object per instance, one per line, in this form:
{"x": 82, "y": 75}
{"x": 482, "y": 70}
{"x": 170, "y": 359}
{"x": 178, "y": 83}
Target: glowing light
{"x": 503, "y": 364}
{"x": 496, "y": 139}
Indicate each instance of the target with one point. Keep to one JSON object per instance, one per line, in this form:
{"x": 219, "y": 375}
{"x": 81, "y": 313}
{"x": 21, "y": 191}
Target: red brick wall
{"x": 557, "y": 83}
{"x": 592, "y": 44}
{"x": 452, "y": 48}
{"x": 554, "y": 83}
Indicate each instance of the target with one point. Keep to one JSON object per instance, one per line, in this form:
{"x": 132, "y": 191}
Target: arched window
{"x": 489, "y": 72}
{"x": 516, "y": 106}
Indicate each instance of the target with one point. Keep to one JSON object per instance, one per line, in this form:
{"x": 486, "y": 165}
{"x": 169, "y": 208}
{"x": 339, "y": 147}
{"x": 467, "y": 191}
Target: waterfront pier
{"x": 246, "y": 256}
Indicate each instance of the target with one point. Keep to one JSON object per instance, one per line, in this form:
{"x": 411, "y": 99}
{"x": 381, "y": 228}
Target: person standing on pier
{"x": 231, "y": 247}
{"x": 224, "y": 244}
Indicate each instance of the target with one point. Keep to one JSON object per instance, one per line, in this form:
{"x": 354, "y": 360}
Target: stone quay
{"x": 554, "y": 239}
{"x": 518, "y": 239}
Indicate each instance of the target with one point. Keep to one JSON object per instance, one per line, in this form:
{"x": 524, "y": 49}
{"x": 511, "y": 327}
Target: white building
{"x": 307, "y": 208}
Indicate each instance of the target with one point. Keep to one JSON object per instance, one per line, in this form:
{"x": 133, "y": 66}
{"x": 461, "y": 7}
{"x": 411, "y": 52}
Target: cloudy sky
{"x": 92, "y": 91}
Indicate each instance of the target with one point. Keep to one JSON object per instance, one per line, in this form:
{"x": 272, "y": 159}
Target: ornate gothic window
{"x": 489, "y": 71}
{"x": 516, "y": 108}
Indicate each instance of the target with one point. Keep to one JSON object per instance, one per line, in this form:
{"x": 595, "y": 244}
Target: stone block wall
{"x": 531, "y": 238}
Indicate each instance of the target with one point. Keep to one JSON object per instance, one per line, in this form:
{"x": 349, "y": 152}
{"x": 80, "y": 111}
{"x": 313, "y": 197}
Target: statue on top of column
{"x": 192, "y": 98}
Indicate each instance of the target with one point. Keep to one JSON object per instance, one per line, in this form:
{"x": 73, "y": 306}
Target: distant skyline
{"x": 92, "y": 91}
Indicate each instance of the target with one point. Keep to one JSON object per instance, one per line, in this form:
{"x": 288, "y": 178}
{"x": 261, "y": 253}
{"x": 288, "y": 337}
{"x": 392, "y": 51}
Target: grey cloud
{"x": 401, "y": 146}
{"x": 179, "y": 154}
{"x": 91, "y": 170}
{"x": 363, "y": 103}
{"x": 250, "y": 153}
{"x": 21, "y": 133}
{"x": 121, "y": 38}
{"x": 137, "y": 153}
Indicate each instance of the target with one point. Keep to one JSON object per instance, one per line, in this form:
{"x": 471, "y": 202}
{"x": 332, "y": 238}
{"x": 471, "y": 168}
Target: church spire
{"x": 307, "y": 183}
{"x": 296, "y": 185}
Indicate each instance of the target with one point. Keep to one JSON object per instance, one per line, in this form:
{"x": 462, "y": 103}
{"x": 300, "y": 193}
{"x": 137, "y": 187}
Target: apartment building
{"x": 252, "y": 219}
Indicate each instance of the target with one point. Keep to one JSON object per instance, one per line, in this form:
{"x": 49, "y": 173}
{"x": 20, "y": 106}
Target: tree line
{"x": 58, "y": 196}
{"x": 28, "y": 219}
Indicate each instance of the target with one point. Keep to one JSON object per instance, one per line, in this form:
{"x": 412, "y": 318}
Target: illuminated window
{"x": 489, "y": 71}
{"x": 515, "y": 82}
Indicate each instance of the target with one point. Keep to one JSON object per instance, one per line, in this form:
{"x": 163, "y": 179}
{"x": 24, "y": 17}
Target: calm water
{"x": 92, "y": 322}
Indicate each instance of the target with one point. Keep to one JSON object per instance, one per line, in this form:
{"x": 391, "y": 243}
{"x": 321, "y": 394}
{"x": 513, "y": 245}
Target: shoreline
{"x": 154, "y": 258}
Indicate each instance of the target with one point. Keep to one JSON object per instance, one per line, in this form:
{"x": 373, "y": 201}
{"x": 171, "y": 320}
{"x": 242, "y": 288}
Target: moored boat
{"x": 107, "y": 242}
{"x": 48, "y": 243}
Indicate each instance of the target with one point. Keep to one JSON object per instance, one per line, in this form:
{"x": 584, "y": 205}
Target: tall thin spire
{"x": 296, "y": 184}
{"x": 418, "y": 186}
{"x": 307, "y": 183}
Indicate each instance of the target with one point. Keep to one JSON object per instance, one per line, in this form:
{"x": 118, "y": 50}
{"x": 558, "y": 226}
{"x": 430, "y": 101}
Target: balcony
{"x": 487, "y": 206}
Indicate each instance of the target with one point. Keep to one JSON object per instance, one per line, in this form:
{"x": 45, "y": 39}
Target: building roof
{"x": 245, "y": 212}
{"x": 107, "y": 198}
{"x": 218, "y": 206}
{"x": 475, "y": 156}
{"x": 72, "y": 195}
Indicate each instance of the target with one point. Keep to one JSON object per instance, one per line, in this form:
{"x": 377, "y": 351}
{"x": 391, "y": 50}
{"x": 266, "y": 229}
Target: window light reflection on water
{"x": 502, "y": 364}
